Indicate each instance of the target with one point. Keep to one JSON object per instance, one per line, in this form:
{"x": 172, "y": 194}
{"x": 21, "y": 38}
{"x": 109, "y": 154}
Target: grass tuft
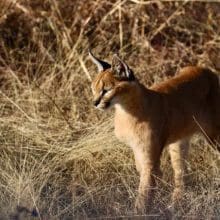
{"x": 59, "y": 156}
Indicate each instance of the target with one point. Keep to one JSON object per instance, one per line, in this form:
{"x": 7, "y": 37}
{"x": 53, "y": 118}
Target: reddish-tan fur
{"x": 168, "y": 113}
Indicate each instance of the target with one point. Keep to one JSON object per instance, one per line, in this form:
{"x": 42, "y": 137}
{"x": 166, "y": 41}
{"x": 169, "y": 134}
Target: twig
{"x": 203, "y": 131}
{"x": 57, "y": 107}
{"x": 115, "y": 7}
{"x": 168, "y": 20}
{"x": 84, "y": 68}
{"x": 20, "y": 7}
{"x": 120, "y": 27}
{"x": 17, "y": 106}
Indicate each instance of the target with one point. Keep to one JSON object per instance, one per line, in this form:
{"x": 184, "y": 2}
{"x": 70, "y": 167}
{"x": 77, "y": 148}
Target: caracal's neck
{"x": 134, "y": 101}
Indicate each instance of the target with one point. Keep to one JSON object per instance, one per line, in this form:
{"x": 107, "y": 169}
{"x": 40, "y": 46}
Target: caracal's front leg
{"x": 178, "y": 154}
{"x": 138, "y": 157}
{"x": 148, "y": 161}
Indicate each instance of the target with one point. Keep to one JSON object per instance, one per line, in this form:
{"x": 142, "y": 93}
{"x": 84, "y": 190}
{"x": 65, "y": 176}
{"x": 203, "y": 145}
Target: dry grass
{"x": 59, "y": 157}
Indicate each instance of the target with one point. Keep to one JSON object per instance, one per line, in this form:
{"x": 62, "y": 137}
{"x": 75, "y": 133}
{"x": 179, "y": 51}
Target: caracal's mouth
{"x": 104, "y": 105}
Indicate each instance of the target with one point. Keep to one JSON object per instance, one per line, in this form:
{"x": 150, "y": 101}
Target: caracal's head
{"x": 109, "y": 85}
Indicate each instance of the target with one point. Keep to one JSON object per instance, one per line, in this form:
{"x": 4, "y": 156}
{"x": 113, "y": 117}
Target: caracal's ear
{"x": 102, "y": 65}
{"x": 121, "y": 69}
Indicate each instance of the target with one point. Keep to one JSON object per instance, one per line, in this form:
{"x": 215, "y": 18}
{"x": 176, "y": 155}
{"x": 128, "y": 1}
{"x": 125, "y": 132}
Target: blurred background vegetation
{"x": 59, "y": 157}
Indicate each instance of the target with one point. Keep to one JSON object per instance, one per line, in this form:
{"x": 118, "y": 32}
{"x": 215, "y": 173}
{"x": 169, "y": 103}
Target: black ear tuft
{"x": 102, "y": 65}
{"x": 121, "y": 69}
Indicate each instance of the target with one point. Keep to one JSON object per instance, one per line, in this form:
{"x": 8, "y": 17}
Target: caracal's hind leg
{"x": 149, "y": 168}
{"x": 178, "y": 154}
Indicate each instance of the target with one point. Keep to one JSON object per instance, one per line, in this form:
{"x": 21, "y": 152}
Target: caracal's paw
{"x": 177, "y": 195}
{"x": 142, "y": 206}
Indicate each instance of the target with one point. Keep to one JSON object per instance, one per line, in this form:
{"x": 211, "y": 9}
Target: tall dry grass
{"x": 59, "y": 157}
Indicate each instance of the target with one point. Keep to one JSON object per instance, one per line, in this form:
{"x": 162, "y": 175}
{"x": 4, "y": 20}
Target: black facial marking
{"x": 107, "y": 104}
{"x": 96, "y": 102}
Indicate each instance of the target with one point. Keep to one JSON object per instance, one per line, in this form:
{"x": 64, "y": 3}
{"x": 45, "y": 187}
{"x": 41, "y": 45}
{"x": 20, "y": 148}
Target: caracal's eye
{"x": 105, "y": 90}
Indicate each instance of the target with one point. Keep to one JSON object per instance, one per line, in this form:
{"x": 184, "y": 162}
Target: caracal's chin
{"x": 104, "y": 106}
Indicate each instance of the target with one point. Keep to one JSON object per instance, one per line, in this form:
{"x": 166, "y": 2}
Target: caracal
{"x": 148, "y": 119}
